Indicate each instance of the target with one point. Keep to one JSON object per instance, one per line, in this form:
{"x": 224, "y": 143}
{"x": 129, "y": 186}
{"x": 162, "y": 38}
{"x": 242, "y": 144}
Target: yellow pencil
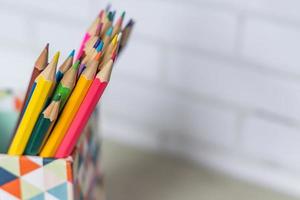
{"x": 113, "y": 47}
{"x": 70, "y": 110}
{"x": 45, "y": 81}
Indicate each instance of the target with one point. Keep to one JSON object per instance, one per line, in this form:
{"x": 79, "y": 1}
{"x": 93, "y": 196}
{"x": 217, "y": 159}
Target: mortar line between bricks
{"x": 286, "y": 121}
{"x": 252, "y": 12}
{"x": 225, "y": 7}
{"x": 216, "y": 102}
{"x": 40, "y": 15}
{"x": 214, "y": 6}
{"x": 275, "y": 19}
{"x": 191, "y": 96}
{"x": 237, "y": 108}
{"x": 237, "y": 61}
{"x": 160, "y": 131}
{"x": 199, "y": 144}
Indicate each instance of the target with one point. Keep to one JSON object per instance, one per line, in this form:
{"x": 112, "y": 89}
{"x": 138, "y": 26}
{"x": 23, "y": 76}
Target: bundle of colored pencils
{"x": 58, "y": 105}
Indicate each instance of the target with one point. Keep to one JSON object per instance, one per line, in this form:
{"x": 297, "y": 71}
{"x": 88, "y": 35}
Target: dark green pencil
{"x": 45, "y": 121}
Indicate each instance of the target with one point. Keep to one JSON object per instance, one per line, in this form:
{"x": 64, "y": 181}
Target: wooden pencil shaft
{"x": 39, "y": 66}
{"x": 68, "y": 114}
{"x": 30, "y": 117}
{"x": 88, "y": 105}
{"x": 39, "y": 133}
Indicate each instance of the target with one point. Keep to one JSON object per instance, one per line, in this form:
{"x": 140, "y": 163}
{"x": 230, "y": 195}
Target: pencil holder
{"x": 76, "y": 177}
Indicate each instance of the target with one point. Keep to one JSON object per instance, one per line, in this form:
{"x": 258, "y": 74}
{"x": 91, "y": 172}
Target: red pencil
{"x": 86, "y": 109}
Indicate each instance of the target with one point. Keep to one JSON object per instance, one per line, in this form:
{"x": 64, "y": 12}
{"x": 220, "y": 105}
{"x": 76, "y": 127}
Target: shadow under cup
{"x": 7, "y": 124}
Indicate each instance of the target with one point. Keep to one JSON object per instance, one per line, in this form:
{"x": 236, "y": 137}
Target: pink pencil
{"x": 86, "y": 37}
{"x": 90, "y": 32}
{"x": 87, "y": 107}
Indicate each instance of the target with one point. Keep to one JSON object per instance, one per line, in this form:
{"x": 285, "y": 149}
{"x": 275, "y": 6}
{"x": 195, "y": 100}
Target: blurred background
{"x": 203, "y": 104}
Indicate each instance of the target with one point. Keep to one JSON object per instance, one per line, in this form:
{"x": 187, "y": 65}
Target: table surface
{"x": 133, "y": 174}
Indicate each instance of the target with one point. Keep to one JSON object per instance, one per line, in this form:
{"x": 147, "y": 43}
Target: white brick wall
{"x": 214, "y": 80}
{"x": 280, "y": 40}
{"x": 272, "y": 141}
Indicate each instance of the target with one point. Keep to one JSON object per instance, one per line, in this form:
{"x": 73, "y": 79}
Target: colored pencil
{"x": 90, "y": 32}
{"x": 113, "y": 15}
{"x": 39, "y": 66}
{"x": 118, "y": 26}
{"x": 126, "y": 33}
{"x": 92, "y": 55}
{"x": 82, "y": 116}
{"x": 65, "y": 66}
{"x": 39, "y": 133}
{"x": 107, "y": 37}
{"x": 92, "y": 39}
{"x": 89, "y": 46}
{"x": 66, "y": 85}
{"x": 90, "y": 52}
{"x": 112, "y": 49}
{"x": 45, "y": 82}
{"x": 107, "y": 21}
{"x": 70, "y": 109}
{"x": 58, "y": 104}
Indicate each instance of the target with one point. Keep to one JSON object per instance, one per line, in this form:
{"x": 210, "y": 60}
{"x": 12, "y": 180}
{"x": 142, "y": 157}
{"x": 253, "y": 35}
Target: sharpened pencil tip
{"x": 110, "y": 16}
{"x": 115, "y": 39}
{"x": 100, "y": 46}
{"x": 113, "y": 15}
{"x": 99, "y": 28}
{"x": 130, "y": 23}
{"x": 119, "y": 36}
{"x": 100, "y": 14}
{"x": 56, "y": 57}
{"x": 76, "y": 65}
{"x": 96, "y": 44}
{"x": 108, "y": 6}
{"x": 98, "y": 56}
{"x": 123, "y": 15}
{"x": 109, "y": 31}
{"x": 47, "y": 46}
{"x": 72, "y": 53}
{"x": 57, "y": 97}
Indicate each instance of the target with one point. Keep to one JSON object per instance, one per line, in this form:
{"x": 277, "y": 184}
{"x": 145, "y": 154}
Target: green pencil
{"x": 66, "y": 85}
{"x": 64, "y": 67}
{"x": 40, "y": 131}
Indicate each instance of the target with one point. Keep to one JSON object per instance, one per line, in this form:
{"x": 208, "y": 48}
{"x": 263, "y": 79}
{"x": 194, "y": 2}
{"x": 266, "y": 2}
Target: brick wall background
{"x": 216, "y": 81}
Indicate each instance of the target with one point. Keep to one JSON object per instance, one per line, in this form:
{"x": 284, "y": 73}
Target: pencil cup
{"x": 76, "y": 177}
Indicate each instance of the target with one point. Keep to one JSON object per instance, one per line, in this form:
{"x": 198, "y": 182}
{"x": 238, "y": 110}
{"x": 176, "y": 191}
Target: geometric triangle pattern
{"x": 36, "y": 178}
{"x": 46, "y": 161}
{"x": 29, "y": 190}
{"x": 39, "y": 197}
{"x": 6, "y": 176}
{"x": 59, "y": 191}
{"x": 27, "y": 165}
{"x": 13, "y": 188}
{"x": 6, "y": 195}
{"x": 86, "y": 169}
{"x": 11, "y": 164}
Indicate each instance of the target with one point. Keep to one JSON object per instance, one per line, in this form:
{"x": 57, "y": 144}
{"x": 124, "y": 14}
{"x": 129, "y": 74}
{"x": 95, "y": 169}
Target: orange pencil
{"x": 87, "y": 107}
